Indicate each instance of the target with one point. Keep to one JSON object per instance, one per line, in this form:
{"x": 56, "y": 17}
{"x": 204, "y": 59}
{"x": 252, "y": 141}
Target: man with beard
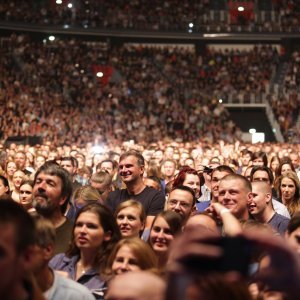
{"x": 131, "y": 169}
{"x": 51, "y": 191}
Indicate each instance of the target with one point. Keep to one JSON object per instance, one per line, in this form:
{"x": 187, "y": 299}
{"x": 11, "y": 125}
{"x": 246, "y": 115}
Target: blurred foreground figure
{"x": 136, "y": 286}
{"x": 204, "y": 265}
{"x": 17, "y": 240}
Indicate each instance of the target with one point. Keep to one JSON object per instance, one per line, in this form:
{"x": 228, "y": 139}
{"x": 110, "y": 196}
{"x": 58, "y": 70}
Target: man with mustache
{"x": 51, "y": 191}
{"x": 131, "y": 170}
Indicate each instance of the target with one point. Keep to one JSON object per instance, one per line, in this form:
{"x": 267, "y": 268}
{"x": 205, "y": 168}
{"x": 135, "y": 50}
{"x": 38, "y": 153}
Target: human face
{"x": 246, "y": 159}
{"x": 193, "y": 181}
{"x": 160, "y": 235}
{"x": 152, "y": 183}
{"x": 17, "y": 178}
{"x": 215, "y": 179}
{"x": 125, "y": 261}
{"x": 3, "y": 188}
{"x": 88, "y": 231}
{"x": 11, "y": 168}
{"x": 234, "y": 195}
{"x": 129, "y": 221}
{"x": 107, "y": 166}
{"x": 67, "y": 165}
{"x": 258, "y": 162}
{"x": 8, "y": 259}
{"x": 20, "y": 160}
{"x": 295, "y": 159}
{"x": 258, "y": 202}
{"x": 168, "y": 169}
{"x": 129, "y": 170}
{"x": 261, "y": 176}
{"x": 39, "y": 161}
{"x": 247, "y": 173}
{"x": 47, "y": 194}
{"x": 190, "y": 163}
{"x": 288, "y": 189}
{"x": 285, "y": 168}
{"x": 26, "y": 194}
{"x": 274, "y": 165}
{"x": 181, "y": 202}
{"x": 294, "y": 239}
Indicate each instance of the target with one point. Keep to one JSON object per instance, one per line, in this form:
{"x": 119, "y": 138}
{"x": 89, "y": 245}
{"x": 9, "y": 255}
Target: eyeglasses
{"x": 182, "y": 204}
{"x": 260, "y": 179}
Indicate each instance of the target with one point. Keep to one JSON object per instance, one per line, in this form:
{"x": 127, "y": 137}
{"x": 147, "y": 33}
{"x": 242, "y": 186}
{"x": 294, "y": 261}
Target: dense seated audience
{"x": 141, "y": 87}
{"x": 157, "y": 15}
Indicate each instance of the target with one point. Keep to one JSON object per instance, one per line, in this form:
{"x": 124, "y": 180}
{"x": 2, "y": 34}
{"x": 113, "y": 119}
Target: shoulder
{"x": 151, "y": 193}
{"x": 60, "y": 260}
{"x": 69, "y": 289}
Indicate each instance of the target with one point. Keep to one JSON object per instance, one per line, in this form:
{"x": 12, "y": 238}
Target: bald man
{"x": 139, "y": 285}
{"x": 261, "y": 208}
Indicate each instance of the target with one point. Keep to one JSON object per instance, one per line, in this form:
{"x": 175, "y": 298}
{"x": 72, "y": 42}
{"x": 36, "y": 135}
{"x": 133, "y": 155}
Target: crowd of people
{"x": 145, "y": 93}
{"x": 155, "y": 16}
{"x": 83, "y": 223}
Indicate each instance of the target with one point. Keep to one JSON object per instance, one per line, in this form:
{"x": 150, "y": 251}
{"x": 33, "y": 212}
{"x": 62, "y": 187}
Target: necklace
{"x": 81, "y": 269}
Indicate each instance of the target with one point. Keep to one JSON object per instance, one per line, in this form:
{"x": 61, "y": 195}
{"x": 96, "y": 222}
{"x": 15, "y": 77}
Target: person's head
{"x": 234, "y": 193}
{"x": 168, "y": 168}
{"x": 165, "y": 227}
{"x": 80, "y": 159}
{"x": 182, "y": 201}
{"x": 131, "y": 254}
{"x": 259, "y": 159}
{"x": 52, "y": 189}
{"x": 274, "y": 163}
{"x": 284, "y": 166}
{"x": 169, "y": 152}
{"x": 131, "y": 167}
{"x": 107, "y": 165}
{"x": 17, "y": 239}
{"x": 4, "y": 186}
{"x": 153, "y": 182}
{"x": 247, "y": 172}
{"x": 262, "y": 173}
{"x": 287, "y": 187}
{"x": 95, "y": 230}
{"x": 20, "y": 159}
{"x": 10, "y": 168}
{"x": 203, "y": 219}
{"x": 216, "y": 175}
{"x": 294, "y": 156}
{"x": 39, "y": 161}
{"x": 26, "y": 195}
{"x": 17, "y": 178}
{"x": 45, "y": 241}
{"x": 84, "y": 195}
{"x": 102, "y": 181}
{"x": 190, "y": 162}
{"x": 188, "y": 177}
{"x": 131, "y": 218}
{"x": 261, "y": 198}
{"x": 149, "y": 287}
{"x": 292, "y": 234}
{"x": 246, "y": 157}
{"x": 70, "y": 164}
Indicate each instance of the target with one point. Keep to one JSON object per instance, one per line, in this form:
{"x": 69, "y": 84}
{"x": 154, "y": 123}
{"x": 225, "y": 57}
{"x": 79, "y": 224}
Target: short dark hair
{"x": 72, "y": 159}
{"x": 12, "y": 213}
{"x": 262, "y": 168}
{"x": 5, "y": 183}
{"x": 113, "y": 162}
{"x": 53, "y": 169}
{"x": 187, "y": 189}
{"x": 223, "y": 168}
{"x": 262, "y": 155}
{"x": 138, "y": 155}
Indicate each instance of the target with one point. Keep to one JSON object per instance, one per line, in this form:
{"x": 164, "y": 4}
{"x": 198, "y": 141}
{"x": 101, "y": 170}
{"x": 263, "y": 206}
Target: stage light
{"x": 191, "y": 25}
{"x": 51, "y": 38}
{"x": 70, "y": 5}
{"x": 99, "y": 74}
{"x": 241, "y": 8}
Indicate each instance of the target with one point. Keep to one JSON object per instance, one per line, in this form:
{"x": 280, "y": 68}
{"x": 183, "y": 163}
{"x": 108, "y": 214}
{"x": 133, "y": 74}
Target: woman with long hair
{"x": 287, "y": 186}
{"x": 165, "y": 227}
{"x": 95, "y": 233}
